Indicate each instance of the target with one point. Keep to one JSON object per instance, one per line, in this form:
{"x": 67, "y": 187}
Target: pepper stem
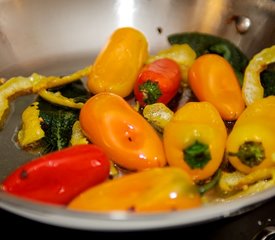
{"x": 197, "y": 155}
{"x": 250, "y": 153}
{"x": 150, "y": 91}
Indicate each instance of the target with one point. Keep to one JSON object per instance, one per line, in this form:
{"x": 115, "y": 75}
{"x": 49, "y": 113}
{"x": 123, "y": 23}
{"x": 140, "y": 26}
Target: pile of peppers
{"x": 154, "y": 134}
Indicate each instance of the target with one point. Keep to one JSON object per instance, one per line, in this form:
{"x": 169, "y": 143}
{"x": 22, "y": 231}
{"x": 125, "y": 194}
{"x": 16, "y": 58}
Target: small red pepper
{"x": 158, "y": 81}
{"x": 60, "y": 176}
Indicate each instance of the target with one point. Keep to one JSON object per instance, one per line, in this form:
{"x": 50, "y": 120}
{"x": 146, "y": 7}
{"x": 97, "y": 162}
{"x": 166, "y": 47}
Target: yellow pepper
{"x": 117, "y": 66}
{"x": 154, "y": 190}
{"x": 194, "y": 139}
{"x": 158, "y": 115}
{"x": 252, "y": 88}
{"x": 250, "y": 145}
{"x": 78, "y": 136}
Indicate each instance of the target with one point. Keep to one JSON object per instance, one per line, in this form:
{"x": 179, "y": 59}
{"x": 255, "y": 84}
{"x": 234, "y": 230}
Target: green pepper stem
{"x": 197, "y": 155}
{"x": 211, "y": 184}
{"x": 150, "y": 91}
{"x": 250, "y": 153}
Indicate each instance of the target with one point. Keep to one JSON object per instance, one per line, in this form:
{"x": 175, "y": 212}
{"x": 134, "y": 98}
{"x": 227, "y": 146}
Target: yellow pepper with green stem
{"x": 250, "y": 145}
{"x": 194, "y": 139}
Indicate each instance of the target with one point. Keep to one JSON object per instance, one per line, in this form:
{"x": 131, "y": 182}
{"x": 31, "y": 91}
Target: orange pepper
{"x": 158, "y": 189}
{"x": 195, "y": 138}
{"x": 129, "y": 140}
{"x": 117, "y": 66}
{"x": 212, "y": 79}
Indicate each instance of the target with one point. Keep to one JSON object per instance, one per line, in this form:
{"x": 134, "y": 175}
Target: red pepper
{"x": 158, "y": 81}
{"x": 60, "y": 176}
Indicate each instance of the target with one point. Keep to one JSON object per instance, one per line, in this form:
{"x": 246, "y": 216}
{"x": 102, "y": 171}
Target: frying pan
{"x": 59, "y": 37}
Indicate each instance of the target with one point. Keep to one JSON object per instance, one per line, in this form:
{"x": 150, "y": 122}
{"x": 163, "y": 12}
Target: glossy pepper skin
{"x": 118, "y": 64}
{"x": 128, "y": 139}
{"x": 250, "y": 145}
{"x": 212, "y": 79}
{"x": 194, "y": 139}
{"x": 158, "y": 81}
{"x": 152, "y": 190}
{"x": 58, "y": 177}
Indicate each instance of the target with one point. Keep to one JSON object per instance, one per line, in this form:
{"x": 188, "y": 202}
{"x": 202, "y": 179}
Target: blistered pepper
{"x": 212, "y": 79}
{"x": 252, "y": 88}
{"x": 153, "y": 190}
{"x": 194, "y": 139}
{"x": 117, "y": 66}
{"x": 60, "y": 176}
{"x": 250, "y": 145}
{"x": 129, "y": 140}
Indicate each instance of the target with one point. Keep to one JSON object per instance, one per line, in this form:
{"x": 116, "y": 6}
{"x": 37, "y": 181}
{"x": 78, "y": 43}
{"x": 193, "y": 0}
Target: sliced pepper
{"x": 194, "y": 139}
{"x": 31, "y": 130}
{"x": 252, "y": 88}
{"x": 154, "y": 190}
{"x": 57, "y": 98}
{"x": 78, "y": 137}
{"x": 250, "y": 145}
{"x": 230, "y": 182}
{"x": 33, "y": 84}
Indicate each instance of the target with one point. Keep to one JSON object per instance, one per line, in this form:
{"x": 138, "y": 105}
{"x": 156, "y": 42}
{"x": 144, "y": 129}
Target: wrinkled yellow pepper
{"x": 158, "y": 115}
{"x": 78, "y": 136}
{"x": 59, "y": 99}
{"x": 118, "y": 64}
{"x": 250, "y": 145}
{"x": 31, "y": 129}
{"x": 194, "y": 139}
{"x": 155, "y": 190}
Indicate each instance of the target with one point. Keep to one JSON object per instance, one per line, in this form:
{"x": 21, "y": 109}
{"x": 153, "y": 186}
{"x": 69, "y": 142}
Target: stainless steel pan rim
{"x": 35, "y": 35}
{"x": 123, "y": 221}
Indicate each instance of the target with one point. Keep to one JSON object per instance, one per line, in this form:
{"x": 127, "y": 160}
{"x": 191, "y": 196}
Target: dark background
{"x": 242, "y": 227}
